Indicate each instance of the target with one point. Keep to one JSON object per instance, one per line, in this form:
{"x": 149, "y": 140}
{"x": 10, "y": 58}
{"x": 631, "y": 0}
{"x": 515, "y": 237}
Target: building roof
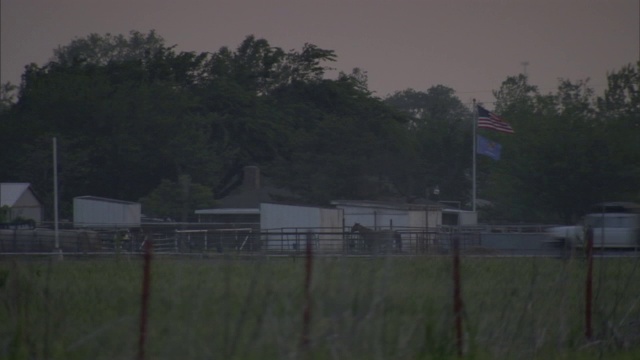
{"x": 245, "y": 199}
{"x": 253, "y": 191}
{"x": 101, "y": 199}
{"x": 616, "y": 207}
{"x": 11, "y": 192}
{"x": 396, "y": 205}
{"x": 228, "y": 211}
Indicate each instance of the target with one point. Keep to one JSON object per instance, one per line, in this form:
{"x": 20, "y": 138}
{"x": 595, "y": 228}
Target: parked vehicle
{"x": 614, "y": 225}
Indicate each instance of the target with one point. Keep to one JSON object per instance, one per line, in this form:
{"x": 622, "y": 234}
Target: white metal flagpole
{"x": 475, "y": 126}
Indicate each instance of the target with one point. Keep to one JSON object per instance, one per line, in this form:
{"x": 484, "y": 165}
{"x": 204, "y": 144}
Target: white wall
{"x": 468, "y": 218}
{"x": 95, "y": 212}
{"x": 288, "y": 223}
{"x": 27, "y": 206}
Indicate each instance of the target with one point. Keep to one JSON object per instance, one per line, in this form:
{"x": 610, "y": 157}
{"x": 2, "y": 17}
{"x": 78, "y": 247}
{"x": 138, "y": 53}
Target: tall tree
{"x": 123, "y": 123}
{"x": 240, "y": 89}
{"x": 619, "y": 111}
{"x": 345, "y": 143}
{"x": 7, "y": 96}
{"x": 564, "y": 156}
{"x": 440, "y": 125}
{"x": 100, "y": 50}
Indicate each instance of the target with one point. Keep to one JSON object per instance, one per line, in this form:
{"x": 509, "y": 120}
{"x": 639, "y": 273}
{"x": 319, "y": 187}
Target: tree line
{"x": 138, "y": 120}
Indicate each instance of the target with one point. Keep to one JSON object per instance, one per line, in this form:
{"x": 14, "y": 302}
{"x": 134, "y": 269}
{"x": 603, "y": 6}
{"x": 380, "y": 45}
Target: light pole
{"x": 56, "y": 250}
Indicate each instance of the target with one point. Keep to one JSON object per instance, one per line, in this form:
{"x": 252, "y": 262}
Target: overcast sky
{"x": 470, "y": 46}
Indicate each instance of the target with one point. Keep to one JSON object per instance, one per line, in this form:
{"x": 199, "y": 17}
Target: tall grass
{"x": 363, "y": 308}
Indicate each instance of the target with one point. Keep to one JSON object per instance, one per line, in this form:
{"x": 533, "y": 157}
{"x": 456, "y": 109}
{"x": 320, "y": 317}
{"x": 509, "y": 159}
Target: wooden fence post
{"x": 306, "y": 316}
{"x": 457, "y": 294}
{"x": 144, "y": 303}
{"x": 588, "y": 330}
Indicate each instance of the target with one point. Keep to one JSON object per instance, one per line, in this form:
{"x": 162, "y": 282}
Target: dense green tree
{"x": 7, "y": 96}
{"x": 619, "y": 111}
{"x": 241, "y": 89}
{"x": 345, "y": 143}
{"x": 100, "y": 50}
{"x": 122, "y": 124}
{"x": 136, "y": 119}
{"x": 567, "y": 153}
{"x": 545, "y": 167}
{"x": 177, "y": 200}
{"x": 441, "y": 126}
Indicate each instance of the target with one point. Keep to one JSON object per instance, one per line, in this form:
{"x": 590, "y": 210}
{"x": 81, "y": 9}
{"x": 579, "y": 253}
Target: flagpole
{"x": 475, "y": 126}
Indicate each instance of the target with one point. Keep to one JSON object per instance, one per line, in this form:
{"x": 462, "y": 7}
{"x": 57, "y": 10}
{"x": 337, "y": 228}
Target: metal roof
{"x": 11, "y": 192}
{"x": 228, "y": 211}
{"x": 385, "y": 205}
{"x": 616, "y": 207}
{"x": 101, "y": 199}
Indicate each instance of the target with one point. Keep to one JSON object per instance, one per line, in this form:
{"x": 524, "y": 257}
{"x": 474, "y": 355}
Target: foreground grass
{"x": 386, "y": 308}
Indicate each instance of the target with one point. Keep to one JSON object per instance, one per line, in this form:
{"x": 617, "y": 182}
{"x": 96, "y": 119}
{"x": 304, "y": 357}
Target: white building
{"x": 21, "y": 202}
{"x": 286, "y": 227}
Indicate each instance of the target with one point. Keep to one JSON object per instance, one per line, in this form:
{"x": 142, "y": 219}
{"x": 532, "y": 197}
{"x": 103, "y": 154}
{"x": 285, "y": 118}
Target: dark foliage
{"x": 132, "y": 115}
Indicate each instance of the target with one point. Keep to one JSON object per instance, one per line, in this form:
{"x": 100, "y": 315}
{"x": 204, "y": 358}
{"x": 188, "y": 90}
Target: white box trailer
{"x": 97, "y": 212}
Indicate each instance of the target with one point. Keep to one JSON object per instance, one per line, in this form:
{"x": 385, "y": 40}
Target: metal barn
{"x": 21, "y": 201}
{"x": 97, "y": 212}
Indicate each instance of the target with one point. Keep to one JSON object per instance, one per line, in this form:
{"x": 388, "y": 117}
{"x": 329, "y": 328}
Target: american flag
{"x": 489, "y": 120}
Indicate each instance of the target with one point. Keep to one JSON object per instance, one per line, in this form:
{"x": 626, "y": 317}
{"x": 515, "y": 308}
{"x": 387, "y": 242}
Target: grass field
{"x": 362, "y": 308}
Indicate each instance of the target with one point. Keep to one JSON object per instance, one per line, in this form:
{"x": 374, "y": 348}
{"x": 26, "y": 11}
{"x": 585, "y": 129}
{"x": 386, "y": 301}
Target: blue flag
{"x": 488, "y": 148}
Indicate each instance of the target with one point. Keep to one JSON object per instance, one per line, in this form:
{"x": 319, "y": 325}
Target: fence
{"x": 352, "y": 307}
{"x": 248, "y": 239}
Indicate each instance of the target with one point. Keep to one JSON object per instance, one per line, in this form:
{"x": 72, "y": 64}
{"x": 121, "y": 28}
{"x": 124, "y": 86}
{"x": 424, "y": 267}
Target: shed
{"x": 98, "y": 212}
{"x": 21, "y": 201}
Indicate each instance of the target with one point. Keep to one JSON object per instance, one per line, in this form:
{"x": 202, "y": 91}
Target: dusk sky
{"x": 470, "y": 46}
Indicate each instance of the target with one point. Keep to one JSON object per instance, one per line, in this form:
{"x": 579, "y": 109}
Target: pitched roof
{"x": 11, "y": 192}
{"x": 102, "y": 199}
{"x": 254, "y": 197}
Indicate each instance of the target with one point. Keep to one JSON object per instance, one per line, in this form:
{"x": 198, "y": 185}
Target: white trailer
{"x": 97, "y": 212}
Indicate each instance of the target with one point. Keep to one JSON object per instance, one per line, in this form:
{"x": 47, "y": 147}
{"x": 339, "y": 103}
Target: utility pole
{"x": 57, "y": 250}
